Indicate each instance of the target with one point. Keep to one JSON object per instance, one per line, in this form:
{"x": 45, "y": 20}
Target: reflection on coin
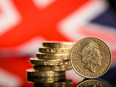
{"x": 92, "y": 83}
{"x": 90, "y": 57}
{"x": 48, "y": 56}
{"x": 54, "y": 50}
{"x": 65, "y": 83}
{"x": 53, "y": 44}
{"x": 37, "y": 61}
{"x": 36, "y": 73}
{"x": 46, "y": 80}
{"x": 53, "y": 68}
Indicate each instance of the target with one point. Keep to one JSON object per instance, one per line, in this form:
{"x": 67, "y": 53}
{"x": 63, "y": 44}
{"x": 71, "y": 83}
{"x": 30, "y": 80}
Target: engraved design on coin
{"x": 90, "y": 56}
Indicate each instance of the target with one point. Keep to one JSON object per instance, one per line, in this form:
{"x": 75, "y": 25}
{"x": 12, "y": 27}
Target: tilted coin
{"x": 92, "y": 83}
{"x": 37, "y": 61}
{"x": 90, "y": 57}
{"x": 65, "y": 83}
{"x": 53, "y": 68}
{"x": 46, "y": 80}
{"x": 36, "y": 73}
{"x": 56, "y": 44}
{"x": 48, "y": 56}
{"x": 54, "y": 50}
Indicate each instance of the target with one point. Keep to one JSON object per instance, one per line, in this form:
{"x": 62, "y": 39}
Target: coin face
{"x": 92, "y": 83}
{"x": 90, "y": 57}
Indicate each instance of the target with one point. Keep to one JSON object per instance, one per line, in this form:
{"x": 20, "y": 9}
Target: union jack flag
{"x": 24, "y": 24}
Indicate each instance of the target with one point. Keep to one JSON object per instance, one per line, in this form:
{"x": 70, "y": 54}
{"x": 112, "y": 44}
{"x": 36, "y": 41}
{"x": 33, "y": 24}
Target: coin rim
{"x": 80, "y": 73}
{"x": 67, "y": 67}
{"x": 54, "y": 73}
{"x": 53, "y": 56}
{"x": 61, "y": 43}
{"x": 42, "y": 60}
{"x": 57, "y": 42}
{"x": 57, "y": 50}
{"x": 54, "y": 79}
{"x": 64, "y": 82}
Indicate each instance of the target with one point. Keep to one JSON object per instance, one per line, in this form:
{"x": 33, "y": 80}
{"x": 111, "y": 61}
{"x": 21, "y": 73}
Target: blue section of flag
{"x": 107, "y": 18}
{"x": 110, "y": 76}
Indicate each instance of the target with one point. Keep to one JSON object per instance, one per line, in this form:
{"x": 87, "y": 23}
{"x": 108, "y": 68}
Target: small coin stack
{"x": 50, "y": 65}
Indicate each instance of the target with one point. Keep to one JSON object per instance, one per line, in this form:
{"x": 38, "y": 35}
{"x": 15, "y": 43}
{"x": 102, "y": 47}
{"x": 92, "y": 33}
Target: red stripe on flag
{"x": 18, "y": 67}
{"x": 38, "y": 22}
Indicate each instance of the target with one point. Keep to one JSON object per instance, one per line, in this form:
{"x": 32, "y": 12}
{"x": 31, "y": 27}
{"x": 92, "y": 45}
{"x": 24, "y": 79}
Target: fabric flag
{"x": 24, "y": 24}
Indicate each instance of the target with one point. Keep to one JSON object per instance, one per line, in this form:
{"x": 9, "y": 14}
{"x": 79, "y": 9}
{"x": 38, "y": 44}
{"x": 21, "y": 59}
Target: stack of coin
{"x": 50, "y": 64}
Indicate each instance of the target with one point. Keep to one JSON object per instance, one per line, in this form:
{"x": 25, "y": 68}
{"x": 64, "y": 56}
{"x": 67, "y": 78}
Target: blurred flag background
{"x": 24, "y": 24}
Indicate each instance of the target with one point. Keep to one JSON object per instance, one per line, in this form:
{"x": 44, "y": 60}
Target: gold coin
{"x": 48, "y": 56}
{"x": 46, "y": 80}
{"x": 65, "y": 83}
{"x": 54, "y": 50}
{"x": 53, "y": 86}
{"x": 37, "y": 61}
{"x": 53, "y": 68}
{"x": 92, "y": 83}
{"x": 90, "y": 57}
{"x": 56, "y": 44}
{"x": 36, "y": 73}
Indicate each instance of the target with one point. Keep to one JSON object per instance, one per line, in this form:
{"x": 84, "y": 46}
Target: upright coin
{"x": 90, "y": 57}
{"x": 53, "y": 44}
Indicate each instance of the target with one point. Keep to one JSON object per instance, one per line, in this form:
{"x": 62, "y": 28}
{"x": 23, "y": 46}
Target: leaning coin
{"x": 48, "y": 56}
{"x": 56, "y": 44}
{"x": 92, "y": 83}
{"x": 65, "y": 83}
{"x": 54, "y": 50}
{"x": 36, "y": 73}
{"x": 46, "y": 80}
{"x": 53, "y": 68}
{"x": 37, "y": 61}
{"x": 90, "y": 57}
